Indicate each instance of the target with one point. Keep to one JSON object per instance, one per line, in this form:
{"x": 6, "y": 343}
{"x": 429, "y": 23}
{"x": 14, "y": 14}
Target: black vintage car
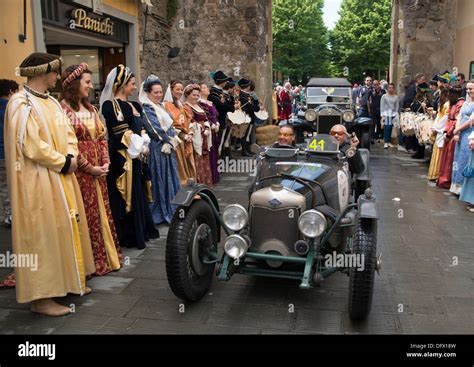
{"x": 304, "y": 220}
{"x": 329, "y": 102}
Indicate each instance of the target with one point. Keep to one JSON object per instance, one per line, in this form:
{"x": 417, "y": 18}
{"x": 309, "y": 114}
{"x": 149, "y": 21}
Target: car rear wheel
{"x": 361, "y": 282}
{"x": 192, "y": 236}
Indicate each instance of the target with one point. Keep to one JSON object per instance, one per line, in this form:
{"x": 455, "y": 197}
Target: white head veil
{"x": 107, "y": 93}
{"x": 168, "y": 95}
{"x": 163, "y": 117}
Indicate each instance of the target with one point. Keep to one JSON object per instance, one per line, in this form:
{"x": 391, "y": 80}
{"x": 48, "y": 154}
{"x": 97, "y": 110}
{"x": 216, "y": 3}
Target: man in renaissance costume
{"x": 249, "y": 105}
{"x": 224, "y": 104}
{"x": 49, "y": 221}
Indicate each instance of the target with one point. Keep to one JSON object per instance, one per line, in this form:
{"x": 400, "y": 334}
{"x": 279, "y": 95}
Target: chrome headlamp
{"x": 310, "y": 115}
{"x": 235, "y": 217}
{"x": 235, "y": 246}
{"x": 348, "y": 116}
{"x": 312, "y": 223}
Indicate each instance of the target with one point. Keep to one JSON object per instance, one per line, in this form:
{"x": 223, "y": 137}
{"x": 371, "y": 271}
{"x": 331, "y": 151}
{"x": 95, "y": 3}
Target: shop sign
{"x": 80, "y": 19}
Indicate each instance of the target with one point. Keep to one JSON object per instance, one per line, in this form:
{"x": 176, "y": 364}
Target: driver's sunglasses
{"x": 286, "y": 135}
{"x": 340, "y": 133}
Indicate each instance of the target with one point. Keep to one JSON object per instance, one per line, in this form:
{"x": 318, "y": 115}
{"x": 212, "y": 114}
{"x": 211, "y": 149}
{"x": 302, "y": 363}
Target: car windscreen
{"x": 305, "y": 170}
{"x": 327, "y": 94}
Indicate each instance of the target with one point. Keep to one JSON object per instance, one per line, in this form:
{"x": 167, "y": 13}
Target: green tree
{"x": 300, "y": 39}
{"x": 360, "y": 41}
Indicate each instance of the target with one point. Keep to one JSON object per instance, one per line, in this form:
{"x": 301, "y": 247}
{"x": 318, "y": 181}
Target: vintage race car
{"x": 307, "y": 218}
{"x": 329, "y": 102}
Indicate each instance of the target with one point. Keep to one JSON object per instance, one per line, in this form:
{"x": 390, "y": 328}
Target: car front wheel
{"x": 361, "y": 280}
{"x": 192, "y": 237}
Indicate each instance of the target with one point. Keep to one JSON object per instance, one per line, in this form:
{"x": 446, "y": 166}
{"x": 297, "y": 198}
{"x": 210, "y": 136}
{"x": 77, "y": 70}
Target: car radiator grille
{"x": 327, "y": 122}
{"x": 269, "y": 223}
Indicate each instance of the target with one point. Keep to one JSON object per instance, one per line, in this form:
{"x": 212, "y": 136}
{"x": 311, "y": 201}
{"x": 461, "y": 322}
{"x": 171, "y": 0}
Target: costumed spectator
{"x": 202, "y": 137}
{"x": 461, "y": 82}
{"x": 278, "y": 90}
{"x": 162, "y": 161}
{"x": 467, "y": 192}
{"x": 129, "y": 179}
{"x": 463, "y": 129}
{"x": 435, "y": 91}
{"x": 7, "y": 89}
{"x": 274, "y": 107}
{"x": 93, "y": 166}
{"x": 389, "y": 107}
{"x": 416, "y": 99}
{"x": 249, "y": 105}
{"x": 438, "y": 130}
{"x": 48, "y": 217}
{"x": 285, "y": 103}
{"x": 181, "y": 121}
{"x": 224, "y": 103}
{"x": 212, "y": 117}
{"x": 446, "y": 166}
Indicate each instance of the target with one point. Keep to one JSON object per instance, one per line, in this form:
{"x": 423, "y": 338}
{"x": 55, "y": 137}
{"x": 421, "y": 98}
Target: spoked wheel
{"x": 192, "y": 236}
{"x": 361, "y": 282}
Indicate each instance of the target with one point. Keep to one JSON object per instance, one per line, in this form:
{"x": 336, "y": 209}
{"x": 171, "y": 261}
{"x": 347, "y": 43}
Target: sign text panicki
{"x": 80, "y": 19}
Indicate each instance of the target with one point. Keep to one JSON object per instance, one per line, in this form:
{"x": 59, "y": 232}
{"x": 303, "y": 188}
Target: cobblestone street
{"x": 426, "y": 285}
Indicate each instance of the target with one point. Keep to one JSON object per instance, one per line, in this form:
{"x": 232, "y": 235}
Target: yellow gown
{"x": 48, "y": 218}
{"x": 433, "y": 171}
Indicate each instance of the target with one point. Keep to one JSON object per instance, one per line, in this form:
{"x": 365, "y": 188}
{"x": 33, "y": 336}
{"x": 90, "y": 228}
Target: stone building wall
{"x": 230, "y": 35}
{"x": 423, "y": 38}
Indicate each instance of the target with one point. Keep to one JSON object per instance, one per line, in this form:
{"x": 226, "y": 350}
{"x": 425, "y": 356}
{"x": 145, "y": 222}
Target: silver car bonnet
{"x": 278, "y": 197}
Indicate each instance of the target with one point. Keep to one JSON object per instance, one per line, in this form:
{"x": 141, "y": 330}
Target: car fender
{"x": 187, "y": 195}
{"x": 367, "y": 208}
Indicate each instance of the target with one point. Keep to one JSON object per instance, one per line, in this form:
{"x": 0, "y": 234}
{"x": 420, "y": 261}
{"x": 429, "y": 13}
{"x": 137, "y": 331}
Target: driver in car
{"x": 285, "y": 137}
{"x": 348, "y": 146}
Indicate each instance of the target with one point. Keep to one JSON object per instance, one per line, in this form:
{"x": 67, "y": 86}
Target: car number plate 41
{"x": 322, "y": 143}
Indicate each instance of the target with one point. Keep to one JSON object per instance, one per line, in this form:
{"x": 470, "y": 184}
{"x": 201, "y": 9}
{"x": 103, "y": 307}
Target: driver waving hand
{"x": 348, "y": 146}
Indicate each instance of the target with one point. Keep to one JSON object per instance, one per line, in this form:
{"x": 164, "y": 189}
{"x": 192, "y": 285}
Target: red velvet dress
{"x": 93, "y": 151}
{"x": 285, "y": 101}
{"x": 447, "y": 157}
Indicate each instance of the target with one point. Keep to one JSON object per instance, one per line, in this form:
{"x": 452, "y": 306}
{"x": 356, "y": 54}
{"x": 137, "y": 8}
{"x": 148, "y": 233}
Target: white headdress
{"x": 107, "y": 94}
{"x": 163, "y": 117}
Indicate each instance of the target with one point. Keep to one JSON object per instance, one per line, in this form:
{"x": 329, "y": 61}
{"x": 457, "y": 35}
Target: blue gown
{"x": 462, "y": 152}
{"x": 164, "y": 168}
{"x": 135, "y": 227}
{"x": 467, "y": 192}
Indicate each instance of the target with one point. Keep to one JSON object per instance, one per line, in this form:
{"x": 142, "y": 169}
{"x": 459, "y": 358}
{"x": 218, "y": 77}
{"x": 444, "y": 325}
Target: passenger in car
{"x": 348, "y": 148}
